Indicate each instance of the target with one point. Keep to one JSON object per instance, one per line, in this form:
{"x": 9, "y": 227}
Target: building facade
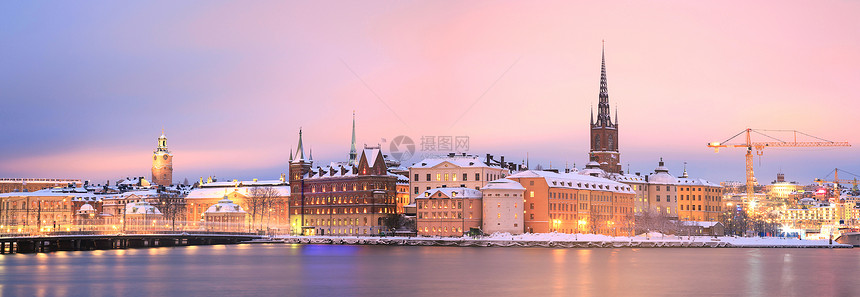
{"x": 341, "y": 199}
{"x": 453, "y": 171}
{"x": 503, "y": 207}
{"x": 575, "y": 203}
{"x": 448, "y": 211}
{"x": 8, "y": 185}
{"x": 162, "y": 163}
{"x": 698, "y": 199}
{"x": 663, "y": 192}
{"x": 265, "y": 201}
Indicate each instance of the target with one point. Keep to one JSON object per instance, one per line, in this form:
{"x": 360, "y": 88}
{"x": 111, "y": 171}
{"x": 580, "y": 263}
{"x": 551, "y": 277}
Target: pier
{"x": 53, "y": 243}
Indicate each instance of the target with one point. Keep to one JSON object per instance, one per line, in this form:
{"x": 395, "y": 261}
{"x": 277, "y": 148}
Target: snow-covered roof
{"x": 662, "y": 177}
{"x": 274, "y": 182}
{"x": 371, "y": 154}
{"x": 209, "y": 193}
{"x": 141, "y": 207}
{"x": 457, "y": 161}
{"x": 503, "y": 184}
{"x": 335, "y": 170}
{"x": 452, "y": 193}
{"x": 628, "y": 178}
{"x": 225, "y": 206}
{"x": 703, "y": 224}
{"x": 687, "y": 181}
{"x": 74, "y": 194}
{"x": 86, "y": 208}
{"x": 575, "y": 181}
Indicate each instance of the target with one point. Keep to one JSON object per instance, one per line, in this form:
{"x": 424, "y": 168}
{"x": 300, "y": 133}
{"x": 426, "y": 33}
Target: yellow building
{"x": 698, "y": 199}
{"x": 453, "y": 171}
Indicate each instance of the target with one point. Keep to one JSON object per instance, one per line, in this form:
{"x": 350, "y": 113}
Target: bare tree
{"x": 260, "y": 200}
{"x": 171, "y": 206}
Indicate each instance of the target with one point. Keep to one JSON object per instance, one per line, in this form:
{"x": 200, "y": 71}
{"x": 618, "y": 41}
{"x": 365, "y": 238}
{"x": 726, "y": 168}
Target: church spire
{"x": 300, "y": 152}
{"x": 603, "y": 117}
{"x": 352, "y": 152}
{"x": 592, "y": 114}
{"x": 291, "y": 154}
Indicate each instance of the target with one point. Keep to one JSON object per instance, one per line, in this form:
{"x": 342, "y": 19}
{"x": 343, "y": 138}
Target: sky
{"x": 87, "y": 87}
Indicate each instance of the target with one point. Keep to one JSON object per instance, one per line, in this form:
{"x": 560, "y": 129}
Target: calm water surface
{"x": 334, "y": 270}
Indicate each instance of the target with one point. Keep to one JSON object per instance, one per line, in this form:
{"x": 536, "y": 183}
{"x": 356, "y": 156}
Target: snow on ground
{"x": 652, "y": 239}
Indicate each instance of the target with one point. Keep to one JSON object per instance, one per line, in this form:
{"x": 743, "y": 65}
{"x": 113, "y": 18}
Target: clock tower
{"x": 162, "y": 163}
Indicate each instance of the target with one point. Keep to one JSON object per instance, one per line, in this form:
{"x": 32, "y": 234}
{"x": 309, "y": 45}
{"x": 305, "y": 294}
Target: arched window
{"x": 596, "y": 142}
{"x": 611, "y": 144}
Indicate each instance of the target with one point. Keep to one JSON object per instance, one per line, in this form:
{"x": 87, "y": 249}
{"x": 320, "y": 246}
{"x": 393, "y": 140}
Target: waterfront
{"x": 343, "y": 270}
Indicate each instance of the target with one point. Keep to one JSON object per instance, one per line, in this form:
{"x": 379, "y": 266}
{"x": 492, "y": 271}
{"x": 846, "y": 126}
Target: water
{"x": 335, "y": 270}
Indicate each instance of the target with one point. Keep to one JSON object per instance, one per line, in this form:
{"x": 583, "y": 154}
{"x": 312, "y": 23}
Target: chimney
{"x": 502, "y": 161}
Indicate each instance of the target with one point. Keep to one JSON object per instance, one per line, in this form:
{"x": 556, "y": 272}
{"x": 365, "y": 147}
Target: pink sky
{"x": 233, "y": 82}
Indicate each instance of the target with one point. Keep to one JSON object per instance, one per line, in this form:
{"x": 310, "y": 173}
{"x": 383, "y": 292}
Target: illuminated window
{"x": 532, "y": 194}
{"x": 499, "y": 215}
{"x": 438, "y": 176}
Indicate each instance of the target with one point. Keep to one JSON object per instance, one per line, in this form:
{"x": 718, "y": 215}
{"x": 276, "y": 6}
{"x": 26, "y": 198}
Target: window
{"x": 416, "y": 190}
{"x": 658, "y": 198}
{"x": 416, "y": 177}
{"x": 428, "y": 177}
{"x": 531, "y": 183}
{"x": 438, "y": 176}
{"x": 477, "y": 177}
{"x": 531, "y": 206}
{"x": 532, "y": 194}
{"x": 465, "y": 176}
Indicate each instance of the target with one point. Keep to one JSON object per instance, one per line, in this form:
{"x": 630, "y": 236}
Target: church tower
{"x": 299, "y": 166}
{"x": 604, "y": 132}
{"x": 162, "y": 163}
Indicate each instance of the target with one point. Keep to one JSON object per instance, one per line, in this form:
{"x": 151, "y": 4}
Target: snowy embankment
{"x": 560, "y": 240}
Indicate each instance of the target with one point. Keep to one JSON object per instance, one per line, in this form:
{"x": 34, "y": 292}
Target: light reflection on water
{"x": 336, "y": 270}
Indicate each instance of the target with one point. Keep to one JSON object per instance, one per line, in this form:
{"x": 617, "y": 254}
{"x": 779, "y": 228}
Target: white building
{"x": 503, "y": 206}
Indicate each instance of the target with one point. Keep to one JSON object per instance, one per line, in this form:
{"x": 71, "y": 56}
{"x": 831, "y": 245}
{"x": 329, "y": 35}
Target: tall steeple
{"x": 353, "y": 154}
{"x": 603, "y": 116}
{"x": 300, "y": 152}
{"x": 604, "y": 132}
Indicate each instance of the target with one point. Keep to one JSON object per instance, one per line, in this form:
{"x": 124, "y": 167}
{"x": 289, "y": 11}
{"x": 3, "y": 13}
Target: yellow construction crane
{"x": 759, "y": 147}
{"x": 836, "y": 181}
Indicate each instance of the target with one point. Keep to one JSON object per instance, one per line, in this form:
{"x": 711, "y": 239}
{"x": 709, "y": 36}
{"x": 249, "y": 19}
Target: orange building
{"x": 698, "y": 199}
{"x": 448, "y": 211}
{"x": 575, "y": 203}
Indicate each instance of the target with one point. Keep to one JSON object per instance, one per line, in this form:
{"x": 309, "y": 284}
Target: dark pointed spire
{"x": 592, "y": 115}
{"x": 603, "y": 117}
{"x": 616, "y": 115}
{"x": 291, "y": 154}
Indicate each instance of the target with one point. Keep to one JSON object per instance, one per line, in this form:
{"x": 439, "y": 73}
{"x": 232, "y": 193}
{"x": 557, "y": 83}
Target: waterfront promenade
{"x": 558, "y": 240}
